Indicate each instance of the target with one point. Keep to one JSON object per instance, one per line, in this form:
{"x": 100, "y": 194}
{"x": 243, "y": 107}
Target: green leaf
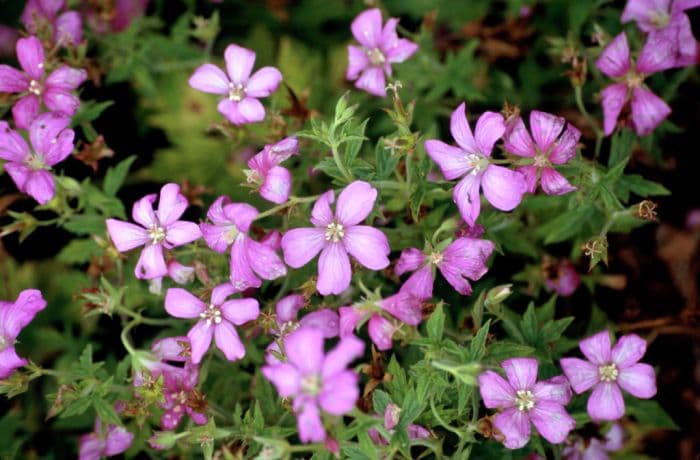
{"x": 530, "y": 325}
{"x": 498, "y": 351}
{"x": 552, "y": 330}
{"x": 105, "y": 411}
{"x": 115, "y": 176}
{"x": 79, "y": 251}
{"x": 650, "y": 413}
{"x": 621, "y": 149}
{"x": 567, "y": 224}
{"x": 436, "y": 323}
{"x": 477, "y": 346}
{"x": 85, "y": 224}
{"x": 380, "y": 400}
{"x": 641, "y": 186}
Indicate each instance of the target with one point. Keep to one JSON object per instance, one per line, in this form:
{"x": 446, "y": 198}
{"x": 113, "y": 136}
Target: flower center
{"x": 3, "y": 343}
{"x": 35, "y": 87}
{"x": 608, "y": 373}
{"x": 236, "y": 92}
{"x": 435, "y": 258}
{"x": 311, "y": 384}
{"x": 335, "y": 232}
{"x": 180, "y": 397}
{"x": 541, "y": 161}
{"x": 376, "y": 57}
{"x": 231, "y": 234}
{"x": 659, "y": 19}
{"x": 156, "y": 234}
{"x": 36, "y": 162}
{"x": 288, "y": 327}
{"x": 634, "y": 79}
{"x": 252, "y": 176}
{"x": 524, "y": 400}
{"x": 476, "y": 163}
{"x": 211, "y": 315}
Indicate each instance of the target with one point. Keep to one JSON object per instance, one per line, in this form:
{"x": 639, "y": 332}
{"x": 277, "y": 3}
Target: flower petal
{"x": 241, "y": 273}
{"x": 495, "y": 391}
{"x": 381, "y": 331}
{"x": 284, "y": 377}
{"x": 605, "y": 402}
{"x": 249, "y": 110}
{"x": 582, "y": 375}
{"x": 334, "y": 271}
{"x": 25, "y": 110}
{"x": 556, "y": 390}
{"x": 239, "y": 63}
{"x": 264, "y": 261}
{"x": 241, "y": 214}
{"x": 228, "y": 342}
{"x": 321, "y": 214}
{"x": 12, "y": 80}
{"x": 9, "y": 361}
{"x": 565, "y": 148}
{"x": 171, "y": 205}
{"x": 466, "y": 195}
{"x": 200, "y": 339}
{"x": 182, "y": 232}
{"x": 613, "y": 98}
{"x": 16, "y": 315}
{"x": 545, "y": 128}
{"x": 552, "y": 421}
{"x": 45, "y": 129}
{"x": 420, "y": 283}
{"x": 125, "y": 235}
{"x": 263, "y": 82}
{"x": 309, "y": 424}
{"x": 641, "y": 11}
{"x": 210, "y": 79}
{"x": 521, "y": 372}
{"x": 554, "y": 183}
{"x": 347, "y": 350}
{"x": 401, "y": 50}
{"x": 489, "y": 128}
{"x": 240, "y": 311}
{"x": 355, "y": 203}
{"x": 349, "y": 319}
{"x": 300, "y": 245}
{"x": 30, "y": 54}
{"x": 13, "y": 147}
{"x": 325, "y": 320}
{"x": 304, "y": 349}
{"x": 503, "y": 187}
{"x": 277, "y": 185}
{"x": 597, "y": 348}
{"x": 367, "y": 28}
{"x": 68, "y": 28}
{"x": 614, "y": 60}
{"x": 60, "y": 148}
{"x": 409, "y": 260}
{"x": 340, "y": 393}
{"x": 648, "y": 111}
{"x": 151, "y": 263}
{"x": 639, "y": 380}
{"x": 405, "y": 307}
{"x": 628, "y": 350}
{"x": 117, "y": 441}
{"x": 368, "y": 245}
{"x": 37, "y": 184}
{"x": 529, "y": 174}
{"x": 461, "y": 132}
{"x": 373, "y": 81}
{"x": 287, "y": 308}
{"x": 182, "y": 304}
{"x": 451, "y": 160}
{"x": 517, "y": 140}
{"x": 514, "y": 426}
{"x": 357, "y": 62}
{"x": 67, "y": 78}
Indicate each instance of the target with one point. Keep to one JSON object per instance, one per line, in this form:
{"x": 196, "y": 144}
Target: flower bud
{"x": 498, "y": 294}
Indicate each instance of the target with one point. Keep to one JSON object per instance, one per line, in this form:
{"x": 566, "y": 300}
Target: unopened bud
{"x": 391, "y": 416}
{"x": 498, "y": 294}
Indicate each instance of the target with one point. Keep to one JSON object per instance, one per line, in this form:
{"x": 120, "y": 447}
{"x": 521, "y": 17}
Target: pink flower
{"x": 8, "y": 40}
{"x": 242, "y": 90}
{"x": 119, "y": 16}
{"x": 565, "y": 280}
{"x": 316, "y": 381}
{"x": 607, "y": 370}
{"x": 464, "y": 259}
{"x": 216, "y": 319}
{"x": 670, "y": 35}
{"x": 648, "y": 110}
{"x": 55, "y": 91}
{"x": 51, "y": 142}
{"x": 336, "y": 235}
{"x": 104, "y": 441}
{"x": 595, "y": 448}
{"x": 381, "y": 47}
{"x": 391, "y": 419}
{"x": 551, "y": 147}
{"x": 157, "y": 230}
{"x": 67, "y": 27}
{"x": 502, "y": 187}
{"x": 14, "y": 316}
{"x": 273, "y": 181}
{"x": 403, "y": 306}
{"x": 250, "y": 260}
{"x": 523, "y": 400}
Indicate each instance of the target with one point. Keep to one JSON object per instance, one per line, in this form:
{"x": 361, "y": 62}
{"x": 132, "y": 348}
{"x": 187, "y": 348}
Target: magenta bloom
{"x": 123, "y": 13}
{"x": 607, "y": 370}
{"x": 391, "y": 419}
{"x": 565, "y": 280}
{"x": 648, "y": 110}
{"x": 336, "y": 235}
{"x": 551, "y": 147}
{"x": 670, "y": 36}
{"x": 316, "y": 381}
{"x": 55, "y": 91}
{"x": 381, "y": 47}
{"x": 157, "y": 230}
{"x": 217, "y": 319}
{"x": 403, "y": 306}
{"x": 242, "y": 90}
{"x": 14, "y": 316}
{"x": 273, "y": 181}
{"x": 104, "y": 441}
{"x": 463, "y": 260}
{"x": 503, "y": 188}
{"x": 250, "y": 260}
{"x": 51, "y": 142}
{"x": 67, "y": 27}
{"x": 595, "y": 448}
{"x": 523, "y": 400}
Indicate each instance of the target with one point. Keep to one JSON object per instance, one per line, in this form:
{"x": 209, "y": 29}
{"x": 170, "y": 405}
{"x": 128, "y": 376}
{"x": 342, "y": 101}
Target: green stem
{"x": 599, "y": 135}
{"x": 293, "y": 200}
{"x": 125, "y": 337}
{"x": 142, "y": 319}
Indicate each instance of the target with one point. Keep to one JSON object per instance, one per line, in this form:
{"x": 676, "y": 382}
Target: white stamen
{"x": 211, "y": 315}
{"x": 524, "y": 400}
{"x": 334, "y": 232}
{"x": 608, "y": 373}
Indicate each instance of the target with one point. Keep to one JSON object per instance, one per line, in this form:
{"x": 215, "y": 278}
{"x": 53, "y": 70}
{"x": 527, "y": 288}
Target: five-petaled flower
{"x": 609, "y": 369}
{"x": 14, "y": 316}
{"x": 523, "y": 400}
{"x": 274, "y": 182}
{"x": 503, "y": 188}
{"x": 336, "y": 235}
{"x": 316, "y": 380}
{"x": 381, "y": 47}
{"x": 242, "y": 90}
{"x": 51, "y": 142}
{"x": 215, "y": 319}
{"x": 156, "y": 230}
{"x": 55, "y": 91}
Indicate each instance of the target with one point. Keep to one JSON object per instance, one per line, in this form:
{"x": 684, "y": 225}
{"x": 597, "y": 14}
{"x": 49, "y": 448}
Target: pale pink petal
{"x": 288, "y": 307}
{"x": 310, "y": 425}
{"x": 25, "y": 110}
{"x": 321, "y": 214}
{"x": 401, "y": 50}
{"x": 263, "y": 82}
{"x": 334, "y": 271}
{"x": 216, "y": 236}
{"x": 67, "y": 78}
{"x": 9, "y": 361}
{"x": 68, "y": 28}
{"x": 368, "y": 245}
{"x": 514, "y": 426}
{"x": 517, "y": 140}
{"x": 565, "y": 148}
{"x": 241, "y": 273}
{"x": 605, "y": 402}
{"x": 44, "y": 130}
{"x": 582, "y": 375}
{"x": 117, "y": 441}
{"x": 357, "y": 62}
{"x": 240, "y": 311}
{"x": 468, "y": 256}
{"x": 628, "y": 350}
{"x": 350, "y": 317}
{"x": 180, "y": 303}
{"x": 639, "y": 380}
{"x": 91, "y": 446}
{"x": 13, "y": 147}
{"x": 355, "y": 203}
{"x": 682, "y": 5}
{"x": 221, "y": 292}
{"x": 300, "y": 245}
{"x": 597, "y": 348}
{"x": 489, "y": 128}
{"x": 641, "y": 12}
{"x": 151, "y": 263}
{"x": 545, "y": 128}
{"x": 660, "y": 51}
{"x": 12, "y": 80}
{"x": 325, "y": 320}
{"x": 420, "y": 283}
{"x": 614, "y": 60}
{"x": 556, "y": 390}
{"x": 248, "y": 110}
{"x": 200, "y": 339}
{"x": 30, "y": 54}
{"x": 381, "y": 332}
{"x": 339, "y": 358}
{"x": 340, "y": 393}
{"x": 216, "y": 211}
{"x": 228, "y": 342}
{"x": 284, "y": 377}
{"x": 60, "y": 148}
{"x": 241, "y": 214}
{"x": 182, "y": 232}
{"x": 648, "y": 111}
{"x": 37, "y": 184}
{"x": 142, "y": 211}
{"x": 210, "y": 79}
{"x": 529, "y": 174}
{"x": 125, "y": 235}
{"x": 277, "y": 185}
{"x": 404, "y": 306}
{"x": 613, "y": 99}
{"x": 171, "y": 205}
{"x": 373, "y": 81}
{"x": 451, "y": 160}
{"x": 239, "y": 63}
{"x": 552, "y": 421}
{"x": 495, "y": 391}
{"x": 367, "y": 28}
{"x": 304, "y": 349}
{"x": 466, "y": 195}
{"x": 461, "y": 132}
{"x": 614, "y": 438}
{"x": 410, "y": 259}
{"x": 521, "y": 372}
{"x": 264, "y": 261}
{"x": 503, "y": 187}
{"x": 15, "y": 316}
{"x": 554, "y": 183}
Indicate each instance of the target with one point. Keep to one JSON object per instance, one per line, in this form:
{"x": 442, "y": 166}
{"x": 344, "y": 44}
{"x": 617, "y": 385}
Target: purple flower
{"x": 545, "y": 151}
{"x": 250, "y": 260}
{"x": 118, "y": 16}
{"x": 55, "y": 91}
{"x": 503, "y": 188}
{"x": 523, "y": 400}
{"x": 336, "y": 235}
{"x": 403, "y": 306}
{"x": 391, "y": 419}
{"x": 51, "y": 142}
{"x": 594, "y": 448}
{"x": 67, "y": 28}
{"x": 8, "y": 40}
{"x": 158, "y": 229}
{"x": 648, "y": 110}
{"x": 273, "y": 181}
{"x": 242, "y": 90}
{"x": 14, "y": 316}
{"x": 316, "y": 381}
{"x": 381, "y": 47}
{"x": 564, "y": 280}
{"x": 607, "y": 370}
{"x": 670, "y": 35}
{"x": 464, "y": 259}
{"x": 216, "y": 319}
{"x": 104, "y": 441}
